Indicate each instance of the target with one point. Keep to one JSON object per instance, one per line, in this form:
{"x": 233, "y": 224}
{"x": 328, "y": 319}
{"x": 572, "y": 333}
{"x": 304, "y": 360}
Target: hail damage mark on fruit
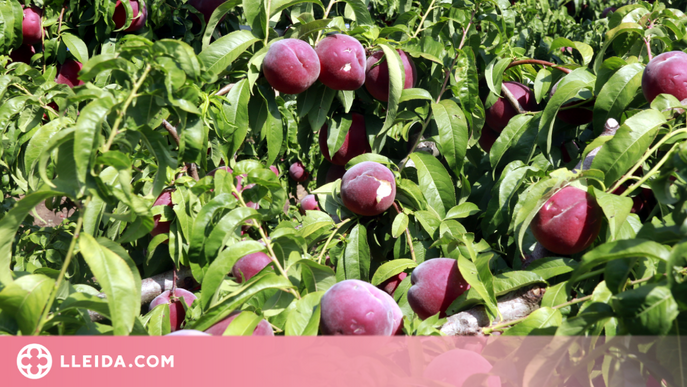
{"x": 346, "y": 67}
{"x": 383, "y": 190}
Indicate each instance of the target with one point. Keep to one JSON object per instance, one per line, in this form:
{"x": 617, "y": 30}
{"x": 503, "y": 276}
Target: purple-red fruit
{"x": 334, "y": 172}
{"x": 32, "y": 25}
{"x": 297, "y": 172}
{"x": 263, "y": 329}
{"x": 666, "y": 73}
{"x": 457, "y": 365}
{"x": 435, "y": 284}
{"x": 377, "y": 77}
{"x": 23, "y": 54}
{"x": 177, "y": 313}
{"x": 342, "y": 62}
{"x": 291, "y": 66}
{"x": 500, "y": 113}
{"x": 487, "y": 138}
{"x": 354, "y": 307}
{"x": 392, "y": 283}
{"x": 68, "y": 73}
{"x": 569, "y": 221}
{"x": 162, "y": 227}
{"x": 368, "y": 188}
{"x": 355, "y": 143}
{"x": 138, "y": 21}
{"x": 206, "y": 7}
{"x": 309, "y": 203}
{"x": 249, "y": 265}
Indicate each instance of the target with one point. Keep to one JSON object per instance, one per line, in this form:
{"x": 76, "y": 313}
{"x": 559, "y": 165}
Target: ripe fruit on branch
{"x": 249, "y": 265}
{"x": 162, "y": 227}
{"x": 498, "y": 115}
{"x": 177, "y": 313}
{"x": 138, "y": 21}
{"x": 368, "y": 188}
{"x": 666, "y": 73}
{"x": 354, "y": 307}
{"x": 334, "y": 172}
{"x": 263, "y": 329}
{"x": 23, "y": 54}
{"x": 392, "y": 283}
{"x": 309, "y": 203}
{"x": 68, "y": 73}
{"x": 32, "y": 25}
{"x": 569, "y": 221}
{"x": 291, "y": 66}
{"x": 487, "y": 138}
{"x": 355, "y": 143}
{"x": 297, "y": 172}
{"x": 436, "y": 283}
{"x": 377, "y": 77}
{"x": 608, "y": 11}
{"x": 342, "y": 62}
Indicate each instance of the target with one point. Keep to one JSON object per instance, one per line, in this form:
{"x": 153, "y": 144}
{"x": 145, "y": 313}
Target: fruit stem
{"x": 424, "y": 17}
{"x": 647, "y": 41}
{"x": 326, "y": 14}
{"x": 268, "y": 244}
{"x": 641, "y": 161}
{"x": 338, "y": 226}
{"x": 539, "y": 62}
{"x": 63, "y": 272}
{"x": 408, "y": 237}
{"x": 130, "y": 98}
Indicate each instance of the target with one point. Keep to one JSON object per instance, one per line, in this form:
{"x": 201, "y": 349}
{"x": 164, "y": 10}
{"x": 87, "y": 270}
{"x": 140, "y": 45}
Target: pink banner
{"x": 340, "y": 361}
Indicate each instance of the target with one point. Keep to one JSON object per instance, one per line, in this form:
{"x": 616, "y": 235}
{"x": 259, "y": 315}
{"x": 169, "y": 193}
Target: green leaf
{"x": 617, "y": 273}
{"x": 516, "y": 141}
{"x": 184, "y": 56}
{"x": 550, "y": 267}
{"x": 9, "y": 225}
{"x": 399, "y": 225}
{"x": 647, "y": 310}
{"x": 542, "y": 321}
{"x": 221, "y": 266}
{"x": 435, "y": 181}
{"x": 564, "y": 93}
{"x": 159, "y": 323}
{"x": 493, "y": 74}
{"x": 509, "y": 281}
{"x": 469, "y": 271}
{"x": 119, "y": 280}
{"x": 76, "y": 47}
{"x": 595, "y": 314}
{"x": 628, "y": 145}
{"x": 25, "y": 299}
{"x": 304, "y": 318}
{"x": 397, "y": 78}
{"x": 616, "y": 208}
{"x": 243, "y": 325}
{"x": 463, "y": 210}
{"x": 390, "y": 269}
{"x": 87, "y": 133}
{"x": 620, "y": 249}
{"x": 584, "y": 49}
{"x": 453, "y": 133}
{"x": 355, "y": 263}
{"x": 362, "y": 15}
{"x": 219, "y": 55}
{"x": 617, "y": 94}
{"x": 201, "y": 231}
{"x": 234, "y": 300}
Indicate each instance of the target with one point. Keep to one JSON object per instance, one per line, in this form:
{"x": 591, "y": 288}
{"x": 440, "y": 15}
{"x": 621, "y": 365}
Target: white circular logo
{"x": 34, "y": 361}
